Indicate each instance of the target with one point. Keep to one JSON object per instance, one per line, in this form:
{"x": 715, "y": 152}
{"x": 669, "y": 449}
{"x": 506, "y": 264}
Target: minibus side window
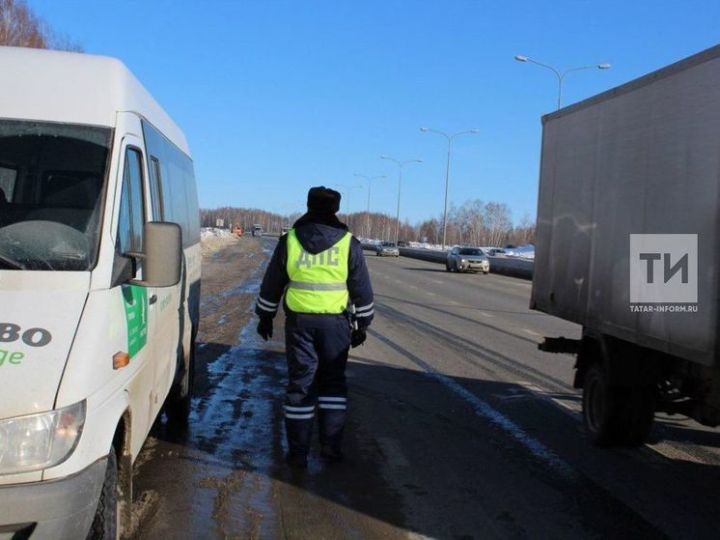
{"x": 179, "y": 200}
{"x": 132, "y": 210}
{"x": 175, "y": 178}
{"x": 156, "y": 191}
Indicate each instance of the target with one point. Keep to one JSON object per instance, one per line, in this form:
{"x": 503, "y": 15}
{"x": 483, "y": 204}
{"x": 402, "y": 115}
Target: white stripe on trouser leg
{"x": 364, "y": 308}
{"x": 294, "y": 409}
{"x": 330, "y": 399}
{"x": 292, "y": 416}
{"x": 333, "y": 406}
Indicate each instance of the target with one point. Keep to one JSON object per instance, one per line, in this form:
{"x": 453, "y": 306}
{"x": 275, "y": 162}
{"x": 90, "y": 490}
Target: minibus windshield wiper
{"x": 9, "y": 263}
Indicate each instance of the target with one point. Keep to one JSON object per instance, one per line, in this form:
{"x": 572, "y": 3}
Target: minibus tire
{"x": 105, "y": 522}
{"x": 178, "y": 403}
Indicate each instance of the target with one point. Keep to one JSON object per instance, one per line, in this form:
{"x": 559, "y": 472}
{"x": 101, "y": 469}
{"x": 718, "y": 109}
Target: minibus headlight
{"x": 39, "y": 441}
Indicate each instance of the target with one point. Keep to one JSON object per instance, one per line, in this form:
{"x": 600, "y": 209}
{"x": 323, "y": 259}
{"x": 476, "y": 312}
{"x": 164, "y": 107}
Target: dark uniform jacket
{"x": 316, "y": 234}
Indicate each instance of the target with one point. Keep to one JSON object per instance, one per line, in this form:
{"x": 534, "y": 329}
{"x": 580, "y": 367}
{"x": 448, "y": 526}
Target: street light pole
{"x": 450, "y": 139}
{"x": 559, "y": 74}
{"x": 367, "y": 214}
{"x": 400, "y": 165}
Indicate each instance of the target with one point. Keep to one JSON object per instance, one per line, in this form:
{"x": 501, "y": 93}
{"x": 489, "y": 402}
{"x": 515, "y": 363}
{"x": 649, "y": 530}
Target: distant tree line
{"x": 479, "y": 224}
{"x": 473, "y": 223}
{"x": 20, "y": 27}
{"x": 231, "y": 216}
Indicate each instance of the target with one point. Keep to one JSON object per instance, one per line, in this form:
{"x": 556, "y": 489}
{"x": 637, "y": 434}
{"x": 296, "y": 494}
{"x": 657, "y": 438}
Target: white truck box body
{"x": 643, "y": 158}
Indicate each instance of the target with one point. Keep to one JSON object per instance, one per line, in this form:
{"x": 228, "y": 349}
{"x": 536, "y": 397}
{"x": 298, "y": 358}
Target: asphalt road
{"x": 459, "y": 428}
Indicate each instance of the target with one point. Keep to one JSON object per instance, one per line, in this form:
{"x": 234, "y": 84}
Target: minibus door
{"x": 164, "y": 301}
{"x": 137, "y": 300}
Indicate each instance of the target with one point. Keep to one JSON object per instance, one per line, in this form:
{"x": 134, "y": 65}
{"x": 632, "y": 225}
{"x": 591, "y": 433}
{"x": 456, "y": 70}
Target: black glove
{"x": 265, "y": 327}
{"x": 358, "y": 337}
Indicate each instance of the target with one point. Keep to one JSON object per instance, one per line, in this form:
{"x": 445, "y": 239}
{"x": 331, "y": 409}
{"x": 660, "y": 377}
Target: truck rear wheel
{"x": 616, "y": 416}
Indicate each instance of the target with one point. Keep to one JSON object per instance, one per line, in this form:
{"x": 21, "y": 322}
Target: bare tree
{"x": 20, "y": 27}
{"x": 470, "y": 222}
{"x": 524, "y": 232}
{"x": 474, "y": 223}
{"x": 61, "y": 42}
{"x": 497, "y": 218}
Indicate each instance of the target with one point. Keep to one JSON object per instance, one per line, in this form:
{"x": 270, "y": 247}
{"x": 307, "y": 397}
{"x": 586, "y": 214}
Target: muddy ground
{"x": 458, "y": 428}
{"x": 224, "y": 477}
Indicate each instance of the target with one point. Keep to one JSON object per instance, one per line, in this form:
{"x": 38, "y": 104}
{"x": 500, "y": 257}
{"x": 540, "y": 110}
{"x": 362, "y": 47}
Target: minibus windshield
{"x": 52, "y": 181}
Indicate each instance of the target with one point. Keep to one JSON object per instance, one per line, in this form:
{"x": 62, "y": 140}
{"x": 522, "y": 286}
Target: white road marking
{"x": 487, "y": 411}
{"x": 531, "y": 332}
{"x": 486, "y": 314}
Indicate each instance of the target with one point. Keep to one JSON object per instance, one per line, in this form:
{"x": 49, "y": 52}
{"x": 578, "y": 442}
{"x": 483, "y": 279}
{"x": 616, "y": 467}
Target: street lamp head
{"x": 424, "y": 129}
{"x": 604, "y": 66}
{"x": 474, "y": 131}
{"x": 521, "y": 58}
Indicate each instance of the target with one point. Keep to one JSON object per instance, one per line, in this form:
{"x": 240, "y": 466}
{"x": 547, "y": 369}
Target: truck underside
{"x": 624, "y": 385}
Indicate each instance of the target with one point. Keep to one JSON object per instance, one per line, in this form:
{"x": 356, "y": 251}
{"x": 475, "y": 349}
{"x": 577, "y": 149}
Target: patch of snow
{"x": 214, "y": 232}
{"x": 522, "y": 252}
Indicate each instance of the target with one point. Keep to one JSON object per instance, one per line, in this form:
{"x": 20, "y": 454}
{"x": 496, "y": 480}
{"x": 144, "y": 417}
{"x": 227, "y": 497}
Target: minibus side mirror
{"x": 162, "y": 258}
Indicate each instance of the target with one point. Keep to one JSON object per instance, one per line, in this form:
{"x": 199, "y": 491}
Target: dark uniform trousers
{"x": 317, "y": 351}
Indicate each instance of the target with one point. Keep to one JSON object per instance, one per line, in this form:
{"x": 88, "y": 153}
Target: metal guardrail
{"x": 431, "y": 255}
{"x": 509, "y": 266}
{"x": 512, "y": 266}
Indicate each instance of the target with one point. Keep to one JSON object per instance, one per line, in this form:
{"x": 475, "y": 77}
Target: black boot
{"x": 332, "y": 413}
{"x": 298, "y": 431}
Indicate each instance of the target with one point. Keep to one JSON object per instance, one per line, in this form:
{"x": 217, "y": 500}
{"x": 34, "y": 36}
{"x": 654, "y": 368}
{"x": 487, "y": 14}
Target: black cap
{"x": 322, "y": 200}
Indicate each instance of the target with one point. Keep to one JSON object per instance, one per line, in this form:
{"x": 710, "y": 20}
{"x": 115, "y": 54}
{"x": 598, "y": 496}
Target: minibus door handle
{"x": 152, "y": 299}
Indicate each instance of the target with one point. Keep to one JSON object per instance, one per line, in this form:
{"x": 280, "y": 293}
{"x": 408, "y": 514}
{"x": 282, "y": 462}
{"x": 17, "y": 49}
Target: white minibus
{"x": 99, "y": 289}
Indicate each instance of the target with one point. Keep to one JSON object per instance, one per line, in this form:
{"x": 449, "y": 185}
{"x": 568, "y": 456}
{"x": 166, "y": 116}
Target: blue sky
{"x": 277, "y": 96}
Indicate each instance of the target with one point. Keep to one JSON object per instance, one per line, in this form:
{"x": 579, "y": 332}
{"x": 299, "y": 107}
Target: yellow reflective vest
{"x": 318, "y": 283}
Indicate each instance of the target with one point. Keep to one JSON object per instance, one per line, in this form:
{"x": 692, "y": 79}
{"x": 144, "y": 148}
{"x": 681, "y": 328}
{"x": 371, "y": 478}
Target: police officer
{"x": 320, "y": 267}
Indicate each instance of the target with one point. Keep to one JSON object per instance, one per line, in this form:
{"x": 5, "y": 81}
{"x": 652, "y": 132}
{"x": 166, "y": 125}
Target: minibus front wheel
{"x": 105, "y": 523}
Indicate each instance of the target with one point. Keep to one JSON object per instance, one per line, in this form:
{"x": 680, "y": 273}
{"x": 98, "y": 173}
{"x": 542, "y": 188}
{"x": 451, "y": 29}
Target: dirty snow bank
{"x": 214, "y": 239}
